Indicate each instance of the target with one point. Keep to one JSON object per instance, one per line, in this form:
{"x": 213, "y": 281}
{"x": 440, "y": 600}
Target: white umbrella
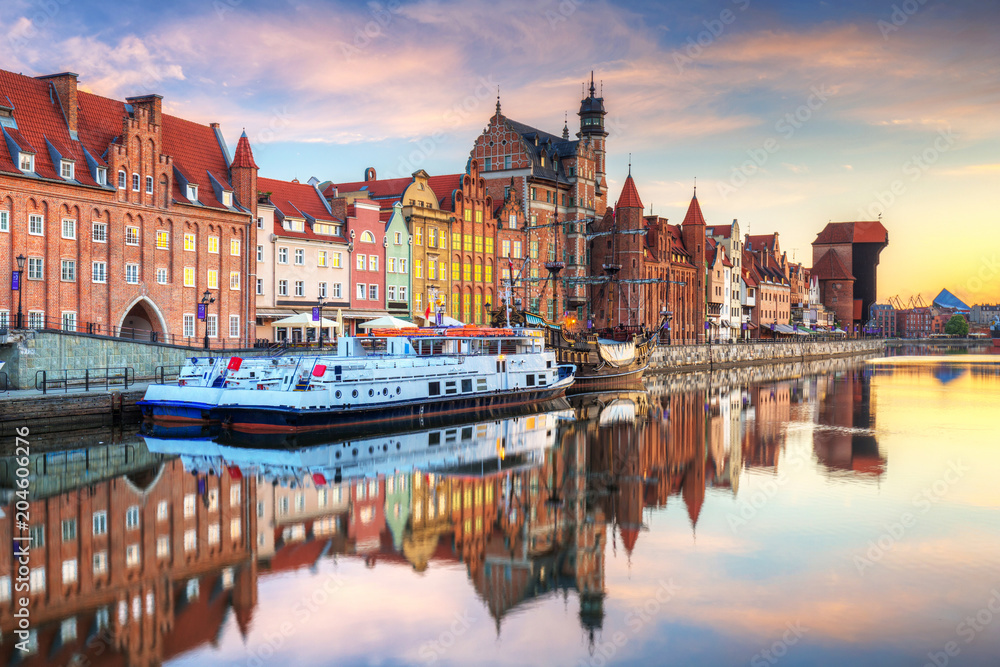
{"x": 303, "y": 319}
{"x": 386, "y": 322}
{"x": 340, "y": 321}
{"x": 445, "y": 321}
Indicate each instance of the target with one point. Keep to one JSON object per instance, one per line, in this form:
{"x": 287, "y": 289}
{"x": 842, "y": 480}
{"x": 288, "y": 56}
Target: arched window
{"x": 367, "y": 237}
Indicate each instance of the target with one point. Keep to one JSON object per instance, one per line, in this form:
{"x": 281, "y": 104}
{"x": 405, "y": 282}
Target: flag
{"x": 427, "y": 312}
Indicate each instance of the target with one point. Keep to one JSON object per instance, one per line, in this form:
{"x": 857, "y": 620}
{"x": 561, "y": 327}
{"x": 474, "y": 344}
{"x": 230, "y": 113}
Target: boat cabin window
{"x": 434, "y": 388}
{"x": 450, "y": 388}
{"x": 466, "y": 386}
{"x": 530, "y": 380}
{"x": 481, "y": 384}
{"x": 434, "y": 438}
{"x": 467, "y": 433}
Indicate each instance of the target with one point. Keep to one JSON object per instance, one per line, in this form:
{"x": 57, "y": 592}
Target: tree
{"x": 957, "y": 326}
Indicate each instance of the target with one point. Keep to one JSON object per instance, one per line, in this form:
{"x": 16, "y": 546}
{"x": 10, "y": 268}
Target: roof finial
{"x": 695, "y": 187}
{"x": 630, "y": 165}
{"x": 498, "y": 99}
{"x": 592, "y": 89}
{"x": 602, "y": 88}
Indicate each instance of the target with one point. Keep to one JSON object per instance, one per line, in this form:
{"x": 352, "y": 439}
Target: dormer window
{"x": 227, "y": 198}
{"x": 102, "y": 175}
{"x": 26, "y": 162}
{"x": 66, "y": 169}
{"x": 192, "y": 192}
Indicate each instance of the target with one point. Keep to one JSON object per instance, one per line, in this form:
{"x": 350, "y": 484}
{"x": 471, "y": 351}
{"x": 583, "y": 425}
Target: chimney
{"x": 65, "y": 87}
{"x": 152, "y": 103}
{"x": 338, "y": 208}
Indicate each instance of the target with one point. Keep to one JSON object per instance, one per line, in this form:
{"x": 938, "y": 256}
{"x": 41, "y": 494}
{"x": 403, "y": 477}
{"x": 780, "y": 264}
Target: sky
{"x": 789, "y": 114}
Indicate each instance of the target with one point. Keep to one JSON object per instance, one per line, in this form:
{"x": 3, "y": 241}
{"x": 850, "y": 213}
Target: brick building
{"x": 845, "y": 259}
{"x": 125, "y": 216}
{"x": 884, "y": 319}
{"x": 557, "y": 180}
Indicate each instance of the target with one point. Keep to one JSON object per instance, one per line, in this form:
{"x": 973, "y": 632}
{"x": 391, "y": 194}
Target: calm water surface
{"x": 851, "y": 518}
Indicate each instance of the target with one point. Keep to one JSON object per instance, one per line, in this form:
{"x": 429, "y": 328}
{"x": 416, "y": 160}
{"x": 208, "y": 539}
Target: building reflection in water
{"x": 143, "y": 547}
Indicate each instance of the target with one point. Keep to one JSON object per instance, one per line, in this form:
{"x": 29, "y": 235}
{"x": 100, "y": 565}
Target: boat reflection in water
{"x": 146, "y": 546}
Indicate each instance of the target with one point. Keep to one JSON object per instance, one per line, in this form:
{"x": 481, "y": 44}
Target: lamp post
{"x": 20, "y": 288}
{"x": 319, "y": 335}
{"x": 206, "y": 299}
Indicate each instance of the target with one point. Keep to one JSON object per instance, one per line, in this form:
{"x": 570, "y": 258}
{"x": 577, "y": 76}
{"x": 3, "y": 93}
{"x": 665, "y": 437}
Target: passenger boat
{"x": 397, "y": 376}
{"x": 606, "y": 359}
{"x": 200, "y": 383}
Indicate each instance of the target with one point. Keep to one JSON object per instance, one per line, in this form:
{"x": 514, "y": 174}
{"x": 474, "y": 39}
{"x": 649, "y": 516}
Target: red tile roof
{"x": 866, "y": 231}
{"x": 244, "y": 156}
{"x": 630, "y": 195}
{"x": 100, "y": 122}
{"x": 829, "y": 267}
{"x": 294, "y": 199}
{"x": 762, "y": 242}
{"x": 388, "y": 191}
{"x": 694, "y": 215}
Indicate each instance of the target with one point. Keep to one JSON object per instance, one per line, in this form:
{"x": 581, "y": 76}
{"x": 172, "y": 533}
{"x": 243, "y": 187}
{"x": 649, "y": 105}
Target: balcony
{"x": 714, "y": 309}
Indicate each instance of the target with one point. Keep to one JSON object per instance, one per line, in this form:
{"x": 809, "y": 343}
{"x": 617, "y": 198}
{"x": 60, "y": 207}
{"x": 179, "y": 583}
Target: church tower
{"x": 592, "y": 115}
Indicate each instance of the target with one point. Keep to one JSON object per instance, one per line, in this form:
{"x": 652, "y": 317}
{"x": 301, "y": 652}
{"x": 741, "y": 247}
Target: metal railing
{"x": 167, "y": 374}
{"x": 54, "y": 324}
{"x": 85, "y": 379}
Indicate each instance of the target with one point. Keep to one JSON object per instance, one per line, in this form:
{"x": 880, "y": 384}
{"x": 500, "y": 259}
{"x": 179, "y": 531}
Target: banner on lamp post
{"x": 315, "y": 314}
{"x": 15, "y": 281}
{"x": 201, "y": 311}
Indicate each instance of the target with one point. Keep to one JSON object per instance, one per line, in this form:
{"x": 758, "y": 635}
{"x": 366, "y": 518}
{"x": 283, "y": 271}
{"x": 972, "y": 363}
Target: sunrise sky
{"x": 790, "y": 114}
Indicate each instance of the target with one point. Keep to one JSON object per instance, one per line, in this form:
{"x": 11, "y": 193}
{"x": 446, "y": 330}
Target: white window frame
{"x": 100, "y": 522}
{"x": 132, "y": 517}
{"x": 36, "y": 225}
{"x": 4, "y": 221}
{"x": 390, "y": 292}
{"x": 99, "y": 562}
{"x": 71, "y": 228}
{"x": 131, "y": 235}
{"x": 361, "y": 291}
{"x": 373, "y": 262}
{"x": 213, "y": 245}
{"x": 234, "y": 326}
{"x": 360, "y": 262}
{"x": 282, "y": 255}
{"x": 71, "y": 265}
{"x": 188, "y": 325}
{"x": 68, "y": 320}
{"x": 133, "y": 556}
{"x": 260, "y": 286}
{"x": 338, "y": 291}
{"x": 234, "y": 247}
{"x": 300, "y": 288}
{"x": 132, "y": 273}
{"x": 300, "y": 257}
{"x": 102, "y": 176}
{"x": 321, "y": 258}
{"x": 260, "y": 253}
{"x": 321, "y": 290}
{"x": 149, "y": 185}
{"x": 36, "y": 319}
{"x": 338, "y": 260}
{"x": 36, "y": 268}
{"x": 26, "y": 162}
{"x": 193, "y": 238}
{"x": 165, "y": 236}
{"x": 213, "y": 278}
{"x": 161, "y": 276}
{"x": 402, "y": 292}
{"x": 135, "y": 182}
{"x": 212, "y": 326}
{"x": 234, "y": 280}
{"x": 192, "y": 192}
{"x": 99, "y": 232}
{"x": 70, "y": 571}
{"x": 122, "y": 178}
{"x": 282, "y": 288}
{"x": 99, "y": 276}
{"x": 188, "y": 272}
{"x": 373, "y": 292}
{"x": 66, "y": 169}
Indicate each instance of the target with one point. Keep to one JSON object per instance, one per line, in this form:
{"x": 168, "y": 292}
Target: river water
{"x": 847, "y": 515}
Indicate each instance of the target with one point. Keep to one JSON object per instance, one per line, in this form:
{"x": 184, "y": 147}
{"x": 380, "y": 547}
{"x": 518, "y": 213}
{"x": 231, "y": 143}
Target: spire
{"x": 565, "y": 125}
{"x": 498, "y": 100}
{"x": 694, "y": 215}
{"x": 244, "y": 156}
{"x": 630, "y": 195}
{"x": 592, "y": 89}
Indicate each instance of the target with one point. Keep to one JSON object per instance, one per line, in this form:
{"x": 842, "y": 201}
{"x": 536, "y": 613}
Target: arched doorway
{"x": 142, "y": 321}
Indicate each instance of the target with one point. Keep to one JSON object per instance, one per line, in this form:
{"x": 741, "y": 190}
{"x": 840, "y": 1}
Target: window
{"x": 100, "y": 562}
{"x": 337, "y": 259}
{"x": 4, "y": 221}
{"x": 467, "y": 243}
{"x": 534, "y": 194}
{"x": 188, "y": 505}
{"x": 479, "y": 216}
{"x": 213, "y": 245}
{"x": 162, "y": 511}
{"x": 456, "y": 240}
{"x": 27, "y": 162}
{"x": 100, "y": 522}
{"x": 68, "y": 228}
{"x": 468, "y": 215}
{"x": 300, "y": 257}
{"x": 282, "y": 288}
{"x": 418, "y": 304}
{"x": 390, "y": 265}
{"x": 506, "y": 162}
{"x": 300, "y": 288}
{"x": 432, "y": 237}
{"x": 36, "y": 580}
{"x": 149, "y": 185}
{"x": 132, "y": 517}
{"x": 479, "y": 272}
{"x": 418, "y": 268}
{"x": 100, "y": 272}
{"x": 213, "y": 533}
{"x": 192, "y": 192}
{"x": 132, "y": 555}
{"x": 517, "y": 249}
{"x": 282, "y": 255}
{"x": 338, "y": 290}
{"x": 132, "y": 274}
{"x": 443, "y": 270}
{"x": 162, "y": 546}
{"x": 402, "y": 265}
{"x": 373, "y": 263}
{"x": 479, "y": 243}
{"x": 419, "y": 233}
{"x": 489, "y": 273}
{"x": 361, "y": 262}
{"x": 373, "y": 292}
{"x": 367, "y": 237}
{"x": 121, "y": 180}
{"x": 321, "y": 258}
{"x": 212, "y": 325}
{"x": 102, "y": 175}
{"x": 487, "y": 164}
{"x": 135, "y": 182}
{"x": 390, "y": 292}
{"x": 36, "y": 225}
{"x": 69, "y": 530}
{"x": 131, "y": 236}
{"x": 234, "y": 280}
{"x": 322, "y": 290}
{"x": 35, "y": 268}
{"x": 234, "y": 326}
{"x": 260, "y": 223}
{"x": 69, "y": 571}
{"x": 260, "y": 285}
{"x": 162, "y": 239}
{"x": 213, "y": 279}
{"x": 361, "y": 290}
{"x": 467, "y": 271}
{"x": 260, "y": 253}
{"x": 235, "y": 528}
{"x": 190, "y": 243}
{"x": 398, "y": 238}
{"x": 188, "y": 325}
{"x": 69, "y": 270}
{"x": 188, "y": 276}
{"x": 161, "y": 276}
{"x": 489, "y": 245}
{"x": 36, "y": 319}
{"x": 402, "y": 293}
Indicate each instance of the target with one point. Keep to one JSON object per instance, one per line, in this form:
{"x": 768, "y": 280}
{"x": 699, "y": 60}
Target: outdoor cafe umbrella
{"x": 304, "y": 320}
{"x": 386, "y": 322}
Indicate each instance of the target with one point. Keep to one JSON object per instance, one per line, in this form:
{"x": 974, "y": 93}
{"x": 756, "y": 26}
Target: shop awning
{"x": 364, "y": 314}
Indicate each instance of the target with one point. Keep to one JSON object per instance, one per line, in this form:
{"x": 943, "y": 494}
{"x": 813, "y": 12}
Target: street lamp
{"x": 206, "y": 299}
{"x": 319, "y": 336}
{"x": 20, "y": 288}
